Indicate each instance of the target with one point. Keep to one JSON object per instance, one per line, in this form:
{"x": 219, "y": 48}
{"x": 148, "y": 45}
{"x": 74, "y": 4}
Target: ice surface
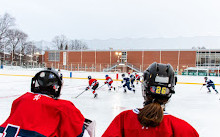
{"x": 195, "y": 106}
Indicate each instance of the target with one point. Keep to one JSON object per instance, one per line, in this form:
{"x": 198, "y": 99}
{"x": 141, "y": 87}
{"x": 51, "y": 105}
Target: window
{"x": 52, "y": 56}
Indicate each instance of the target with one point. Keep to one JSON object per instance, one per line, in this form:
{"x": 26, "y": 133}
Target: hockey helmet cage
{"x": 89, "y": 77}
{"x": 159, "y": 81}
{"x": 106, "y": 76}
{"x": 47, "y": 82}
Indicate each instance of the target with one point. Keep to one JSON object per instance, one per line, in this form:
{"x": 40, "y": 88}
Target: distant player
{"x": 93, "y": 84}
{"x": 209, "y": 83}
{"x": 60, "y": 74}
{"x": 126, "y": 82}
{"x": 132, "y": 79}
{"x": 109, "y": 82}
{"x": 137, "y": 78}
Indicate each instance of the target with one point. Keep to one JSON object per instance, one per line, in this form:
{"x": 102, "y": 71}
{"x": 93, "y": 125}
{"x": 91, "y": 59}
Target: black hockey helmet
{"x": 47, "y": 82}
{"x": 205, "y": 78}
{"x": 89, "y": 77}
{"x": 123, "y": 75}
{"x": 159, "y": 82}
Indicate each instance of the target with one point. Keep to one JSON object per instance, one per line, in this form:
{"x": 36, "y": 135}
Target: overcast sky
{"x": 104, "y": 19}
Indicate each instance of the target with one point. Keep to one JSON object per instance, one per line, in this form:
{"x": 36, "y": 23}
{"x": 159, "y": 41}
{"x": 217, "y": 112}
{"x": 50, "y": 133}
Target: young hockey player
{"x": 132, "y": 79}
{"x": 109, "y": 81}
{"x": 60, "y": 74}
{"x": 41, "y": 113}
{"x": 209, "y": 83}
{"x": 151, "y": 121}
{"x": 93, "y": 84}
{"x": 137, "y": 78}
{"x": 126, "y": 82}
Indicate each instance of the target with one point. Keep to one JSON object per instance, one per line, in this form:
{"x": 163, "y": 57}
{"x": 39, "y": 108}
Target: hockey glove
{"x": 204, "y": 84}
{"x": 86, "y": 88}
{"x": 90, "y": 126}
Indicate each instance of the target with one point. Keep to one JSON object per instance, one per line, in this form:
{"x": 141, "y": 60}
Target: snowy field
{"x": 195, "y": 106}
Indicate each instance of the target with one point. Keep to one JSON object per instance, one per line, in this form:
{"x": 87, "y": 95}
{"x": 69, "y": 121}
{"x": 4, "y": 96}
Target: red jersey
{"x": 126, "y": 124}
{"x": 137, "y": 76}
{"x": 109, "y": 80}
{"x": 37, "y": 115}
{"x": 92, "y": 82}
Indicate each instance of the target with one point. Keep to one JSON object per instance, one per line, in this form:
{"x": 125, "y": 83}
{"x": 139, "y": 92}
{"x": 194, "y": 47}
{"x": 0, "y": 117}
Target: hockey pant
{"x": 213, "y": 86}
{"x": 138, "y": 79}
{"x": 132, "y": 82}
{"x": 94, "y": 88}
{"x": 109, "y": 86}
{"x": 127, "y": 85}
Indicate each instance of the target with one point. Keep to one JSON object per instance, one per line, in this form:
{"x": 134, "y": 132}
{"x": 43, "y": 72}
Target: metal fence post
{"x": 100, "y": 67}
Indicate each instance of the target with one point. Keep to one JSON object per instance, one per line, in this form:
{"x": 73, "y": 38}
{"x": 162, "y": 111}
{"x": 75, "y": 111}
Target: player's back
{"x": 126, "y": 79}
{"x": 91, "y": 81}
{"x": 126, "y": 124}
{"x": 40, "y": 115}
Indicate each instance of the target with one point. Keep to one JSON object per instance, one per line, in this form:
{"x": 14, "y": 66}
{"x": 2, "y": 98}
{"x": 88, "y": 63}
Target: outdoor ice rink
{"x": 197, "y": 107}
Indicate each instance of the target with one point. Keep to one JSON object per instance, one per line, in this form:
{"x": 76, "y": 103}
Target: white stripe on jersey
{"x": 136, "y": 111}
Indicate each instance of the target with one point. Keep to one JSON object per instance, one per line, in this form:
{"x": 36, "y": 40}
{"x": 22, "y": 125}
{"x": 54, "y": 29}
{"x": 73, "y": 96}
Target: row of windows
{"x": 54, "y": 56}
{"x": 79, "y": 67}
{"x": 208, "y": 59}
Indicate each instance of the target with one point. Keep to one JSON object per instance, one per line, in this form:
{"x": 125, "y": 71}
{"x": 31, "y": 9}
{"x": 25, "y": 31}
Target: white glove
{"x": 90, "y": 127}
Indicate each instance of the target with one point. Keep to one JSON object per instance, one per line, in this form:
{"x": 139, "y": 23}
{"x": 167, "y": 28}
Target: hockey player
{"x": 60, "y": 74}
{"x": 93, "y": 84}
{"x": 151, "y": 121}
{"x": 40, "y": 113}
{"x": 209, "y": 83}
{"x": 126, "y": 82}
{"x": 137, "y": 78}
{"x": 132, "y": 79}
{"x": 109, "y": 81}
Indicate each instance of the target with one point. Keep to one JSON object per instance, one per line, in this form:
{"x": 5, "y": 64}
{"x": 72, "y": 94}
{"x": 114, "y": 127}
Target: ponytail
{"x": 151, "y": 115}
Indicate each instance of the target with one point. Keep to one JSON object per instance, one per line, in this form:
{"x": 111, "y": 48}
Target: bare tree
{"x": 77, "y": 45}
{"x": 198, "y": 47}
{"x": 60, "y": 40}
{"x": 31, "y": 49}
{"x": 6, "y": 22}
{"x": 14, "y": 38}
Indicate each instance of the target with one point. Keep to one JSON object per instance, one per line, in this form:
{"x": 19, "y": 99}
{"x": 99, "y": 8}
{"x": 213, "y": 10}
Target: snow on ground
{"x": 190, "y": 103}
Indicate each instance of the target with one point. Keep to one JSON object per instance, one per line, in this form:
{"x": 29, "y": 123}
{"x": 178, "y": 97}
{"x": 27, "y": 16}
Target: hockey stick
{"x": 120, "y": 86}
{"x": 80, "y": 94}
{"x": 201, "y": 87}
{"x": 100, "y": 87}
